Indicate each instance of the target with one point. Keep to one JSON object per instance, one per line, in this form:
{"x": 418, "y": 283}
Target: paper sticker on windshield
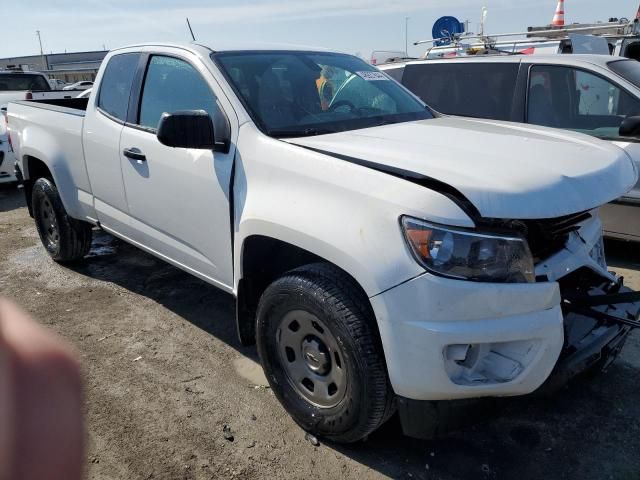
{"x": 373, "y": 76}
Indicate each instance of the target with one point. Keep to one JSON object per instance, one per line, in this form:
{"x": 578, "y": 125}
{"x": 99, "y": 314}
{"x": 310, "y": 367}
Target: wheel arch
{"x": 33, "y": 169}
{"x": 262, "y": 260}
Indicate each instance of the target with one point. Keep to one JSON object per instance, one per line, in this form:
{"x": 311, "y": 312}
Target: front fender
{"x": 344, "y": 213}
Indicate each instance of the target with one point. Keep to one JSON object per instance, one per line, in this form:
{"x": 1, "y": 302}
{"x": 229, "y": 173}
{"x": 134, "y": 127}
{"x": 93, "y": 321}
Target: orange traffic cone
{"x": 558, "y": 18}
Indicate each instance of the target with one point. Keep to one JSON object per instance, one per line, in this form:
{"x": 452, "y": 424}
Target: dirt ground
{"x": 164, "y": 374}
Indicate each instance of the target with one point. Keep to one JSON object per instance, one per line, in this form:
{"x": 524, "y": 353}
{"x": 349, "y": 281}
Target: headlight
{"x": 469, "y": 255}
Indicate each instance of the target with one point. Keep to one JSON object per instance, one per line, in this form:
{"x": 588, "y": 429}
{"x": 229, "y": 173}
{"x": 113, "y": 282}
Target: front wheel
{"x": 322, "y": 354}
{"x": 66, "y": 239}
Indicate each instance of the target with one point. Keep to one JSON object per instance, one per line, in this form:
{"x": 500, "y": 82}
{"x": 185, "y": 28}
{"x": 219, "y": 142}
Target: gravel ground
{"x": 171, "y": 394}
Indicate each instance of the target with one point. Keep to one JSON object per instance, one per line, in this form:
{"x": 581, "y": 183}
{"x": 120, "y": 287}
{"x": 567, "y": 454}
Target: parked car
{"x": 79, "y": 86}
{"x": 57, "y": 84}
{"x": 380, "y": 255}
{"x": 25, "y": 85}
{"x": 594, "y": 94}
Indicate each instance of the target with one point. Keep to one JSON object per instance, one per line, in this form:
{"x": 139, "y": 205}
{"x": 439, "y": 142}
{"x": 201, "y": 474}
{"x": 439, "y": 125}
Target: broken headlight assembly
{"x": 467, "y": 255}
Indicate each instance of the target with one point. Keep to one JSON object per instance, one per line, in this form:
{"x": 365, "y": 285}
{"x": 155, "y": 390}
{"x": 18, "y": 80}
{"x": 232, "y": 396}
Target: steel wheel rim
{"x": 48, "y": 223}
{"x": 312, "y": 359}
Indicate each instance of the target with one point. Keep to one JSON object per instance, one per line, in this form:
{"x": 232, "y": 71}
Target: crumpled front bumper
{"x": 447, "y": 339}
{"x": 593, "y": 340}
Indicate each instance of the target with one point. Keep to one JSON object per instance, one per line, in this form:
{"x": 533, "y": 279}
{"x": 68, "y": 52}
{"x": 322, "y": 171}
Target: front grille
{"x": 545, "y": 236}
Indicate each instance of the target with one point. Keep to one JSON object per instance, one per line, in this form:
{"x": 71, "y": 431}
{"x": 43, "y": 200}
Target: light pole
{"x": 44, "y": 60}
{"x": 406, "y": 36}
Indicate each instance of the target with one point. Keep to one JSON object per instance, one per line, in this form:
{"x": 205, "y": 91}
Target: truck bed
{"x": 75, "y": 106}
{"x": 13, "y": 96}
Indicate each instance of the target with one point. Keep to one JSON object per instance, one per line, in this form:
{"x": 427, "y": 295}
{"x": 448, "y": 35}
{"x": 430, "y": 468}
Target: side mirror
{"x": 187, "y": 129}
{"x": 630, "y": 127}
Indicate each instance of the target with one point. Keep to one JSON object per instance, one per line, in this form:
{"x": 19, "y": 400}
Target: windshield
{"x": 300, "y": 94}
{"x": 22, "y": 81}
{"x": 627, "y": 69}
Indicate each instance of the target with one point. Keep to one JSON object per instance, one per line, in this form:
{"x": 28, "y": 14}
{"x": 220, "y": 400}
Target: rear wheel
{"x": 322, "y": 354}
{"x": 66, "y": 239}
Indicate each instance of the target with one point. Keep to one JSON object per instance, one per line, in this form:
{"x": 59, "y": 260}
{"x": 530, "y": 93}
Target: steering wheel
{"x": 342, "y": 103}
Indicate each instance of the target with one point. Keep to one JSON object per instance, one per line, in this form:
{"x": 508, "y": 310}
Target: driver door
{"x": 178, "y": 198}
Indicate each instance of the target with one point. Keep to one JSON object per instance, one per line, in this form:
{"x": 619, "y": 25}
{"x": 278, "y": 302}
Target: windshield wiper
{"x": 306, "y": 132}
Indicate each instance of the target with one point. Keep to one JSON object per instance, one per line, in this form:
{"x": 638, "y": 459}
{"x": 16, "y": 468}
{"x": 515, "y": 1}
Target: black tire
{"x": 65, "y": 239}
{"x": 352, "y": 347}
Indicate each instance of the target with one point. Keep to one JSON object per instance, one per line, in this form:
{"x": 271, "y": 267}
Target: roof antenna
{"x": 191, "y": 30}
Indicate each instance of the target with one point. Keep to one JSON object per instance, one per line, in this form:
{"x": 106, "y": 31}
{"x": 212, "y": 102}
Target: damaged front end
{"x": 599, "y": 313}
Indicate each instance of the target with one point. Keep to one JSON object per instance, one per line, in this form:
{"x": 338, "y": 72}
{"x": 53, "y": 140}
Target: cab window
{"x": 172, "y": 85}
{"x": 574, "y": 99}
{"x": 116, "y": 84}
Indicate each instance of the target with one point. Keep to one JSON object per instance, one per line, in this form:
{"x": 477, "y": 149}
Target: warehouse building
{"x": 68, "y": 67}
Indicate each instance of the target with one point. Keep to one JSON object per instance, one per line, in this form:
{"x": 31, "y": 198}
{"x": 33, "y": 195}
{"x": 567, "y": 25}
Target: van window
{"x": 395, "y": 73}
{"x": 574, "y": 99}
{"x": 627, "y": 69}
{"x": 172, "y": 85}
{"x": 116, "y": 84}
{"x": 631, "y": 49}
{"x": 483, "y": 90}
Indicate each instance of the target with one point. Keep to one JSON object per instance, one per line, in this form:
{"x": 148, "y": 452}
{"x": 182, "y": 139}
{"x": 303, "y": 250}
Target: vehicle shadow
{"x": 576, "y": 433}
{"x": 112, "y": 260}
{"x": 588, "y": 430}
{"x": 11, "y": 198}
{"x": 622, "y": 254}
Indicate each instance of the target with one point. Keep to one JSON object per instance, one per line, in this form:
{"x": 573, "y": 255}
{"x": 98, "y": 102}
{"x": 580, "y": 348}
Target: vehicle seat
{"x": 276, "y": 110}
{"x": 540, "y": 108}
{"x": 307, "y": 100}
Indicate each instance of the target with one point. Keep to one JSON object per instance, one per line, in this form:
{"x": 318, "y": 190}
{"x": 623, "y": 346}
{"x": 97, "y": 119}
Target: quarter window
{"x": 116, "y": 84}
{"x": 573, "y": 99}
{"x": 172, "y": 85}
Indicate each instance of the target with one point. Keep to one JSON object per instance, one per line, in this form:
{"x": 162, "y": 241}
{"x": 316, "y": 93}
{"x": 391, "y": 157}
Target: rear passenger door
{"x": 103, "y": 124}
{"x": 178, "y": 198}
{"x": 468, "y": 89}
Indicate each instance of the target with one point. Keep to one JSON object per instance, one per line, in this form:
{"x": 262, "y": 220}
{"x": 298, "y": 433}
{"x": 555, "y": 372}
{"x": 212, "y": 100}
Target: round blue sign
{"x": 444, "y": 28}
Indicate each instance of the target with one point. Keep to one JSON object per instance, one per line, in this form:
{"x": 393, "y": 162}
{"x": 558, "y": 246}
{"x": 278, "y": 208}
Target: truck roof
{"x": 204, "y": 48}
{"x": 567, "y": 59}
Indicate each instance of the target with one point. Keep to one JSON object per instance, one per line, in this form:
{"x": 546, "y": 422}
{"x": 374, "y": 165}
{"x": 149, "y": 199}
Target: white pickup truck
{"x": 18, "y": 85}
{"x": 382, "y": 256}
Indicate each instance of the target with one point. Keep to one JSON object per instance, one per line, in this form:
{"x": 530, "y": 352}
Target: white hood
{"x": 506, "y": 170}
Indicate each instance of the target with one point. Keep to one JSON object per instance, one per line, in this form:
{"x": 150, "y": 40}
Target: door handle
{"x": 134, "y": 154}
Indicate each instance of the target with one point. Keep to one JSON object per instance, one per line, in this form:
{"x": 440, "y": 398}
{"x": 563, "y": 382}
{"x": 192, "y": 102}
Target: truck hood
{"x": 506, "y": 170}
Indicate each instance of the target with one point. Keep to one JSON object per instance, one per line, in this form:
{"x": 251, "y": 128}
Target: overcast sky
{"x": 353, "y": 26}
